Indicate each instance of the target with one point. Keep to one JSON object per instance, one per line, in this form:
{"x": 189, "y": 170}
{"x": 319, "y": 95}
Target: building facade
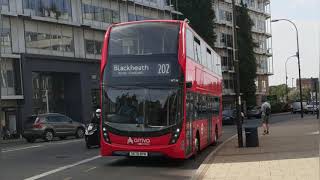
{"x": 259, "y": 11}
{"x": 50, "y": 53}
{"x": 307, "y": 83}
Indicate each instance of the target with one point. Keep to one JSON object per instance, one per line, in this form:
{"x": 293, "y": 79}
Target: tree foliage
{"x": 247, "y": 64}
{"x": 278, "y": 91}
{"x": 201, "y": 16}
{"x": 294, "y": 95}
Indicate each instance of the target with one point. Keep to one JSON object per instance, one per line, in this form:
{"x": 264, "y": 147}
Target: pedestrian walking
{"x": 265, "y": 114}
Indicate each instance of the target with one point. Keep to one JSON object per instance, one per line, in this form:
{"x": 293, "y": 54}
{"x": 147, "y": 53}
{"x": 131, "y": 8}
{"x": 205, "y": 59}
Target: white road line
{"x": 90, "y": 169}
{"x": 19, "y": 149}
{"x": 61, "y": 168}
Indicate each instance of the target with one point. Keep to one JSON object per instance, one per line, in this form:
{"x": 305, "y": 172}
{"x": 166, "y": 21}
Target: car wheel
{"x": 30, "y": 140}
{"x": 48, "y": 135}
{"x": 80, "y": 133}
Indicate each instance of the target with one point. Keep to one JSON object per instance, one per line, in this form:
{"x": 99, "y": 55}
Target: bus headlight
{"x": 175, "y": 136}
{"x": 105, "y": 135}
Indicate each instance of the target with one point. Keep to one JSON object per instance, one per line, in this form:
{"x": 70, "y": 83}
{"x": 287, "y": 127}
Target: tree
{"x": 294, "y": 95}
{"x": 201, "y": 16}
{"x": 247, "y": 61}
{"x": 278, "y": 91}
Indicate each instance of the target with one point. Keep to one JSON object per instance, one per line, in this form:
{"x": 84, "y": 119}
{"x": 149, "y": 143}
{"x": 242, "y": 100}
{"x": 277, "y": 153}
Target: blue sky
{"x": 306, "y": 15}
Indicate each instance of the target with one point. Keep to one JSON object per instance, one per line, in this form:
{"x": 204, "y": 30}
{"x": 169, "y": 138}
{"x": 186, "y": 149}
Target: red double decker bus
{"x": 161, "y": 90}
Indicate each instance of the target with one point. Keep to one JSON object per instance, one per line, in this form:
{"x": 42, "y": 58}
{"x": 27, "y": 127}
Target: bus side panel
{"x": 200, "y": 127}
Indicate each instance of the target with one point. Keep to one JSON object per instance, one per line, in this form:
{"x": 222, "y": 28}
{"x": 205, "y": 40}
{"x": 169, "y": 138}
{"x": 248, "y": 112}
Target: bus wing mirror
{"x": 188, "y": 84}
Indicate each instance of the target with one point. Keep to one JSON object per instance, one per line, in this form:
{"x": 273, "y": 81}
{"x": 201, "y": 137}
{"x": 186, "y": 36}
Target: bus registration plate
{"x": 144, "y": 154}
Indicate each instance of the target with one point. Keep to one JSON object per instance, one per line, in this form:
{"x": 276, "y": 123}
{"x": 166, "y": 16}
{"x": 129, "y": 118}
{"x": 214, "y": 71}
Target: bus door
{"x": 189, "y": 119}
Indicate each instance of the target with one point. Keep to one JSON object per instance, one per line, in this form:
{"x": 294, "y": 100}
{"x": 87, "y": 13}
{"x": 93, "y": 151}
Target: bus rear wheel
{"x": 197, "y": 145}
{"x": 215, "y": 138}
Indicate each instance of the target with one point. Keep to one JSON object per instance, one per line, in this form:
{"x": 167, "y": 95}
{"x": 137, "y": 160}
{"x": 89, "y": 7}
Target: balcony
{"x": 229, "y": 69}
{"x": 229, "y": 92}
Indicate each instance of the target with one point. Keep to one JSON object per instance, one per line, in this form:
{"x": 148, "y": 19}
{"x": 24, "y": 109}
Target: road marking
{"x": 19, "y": 149}
{"x": 42, "y": 145}
{"x": 90, "y": 169}
{"x": 61, "y": 168}
{"x": 67, "y": 178}
{"x": 313, "y": 133}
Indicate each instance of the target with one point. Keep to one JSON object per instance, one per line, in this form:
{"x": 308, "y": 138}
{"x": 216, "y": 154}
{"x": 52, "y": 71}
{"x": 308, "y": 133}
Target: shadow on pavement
{"x": 292, "y": 139}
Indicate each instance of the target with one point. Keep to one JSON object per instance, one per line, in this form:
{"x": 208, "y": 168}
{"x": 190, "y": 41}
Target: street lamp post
{"x": 287, "y": 75}
{"x": 298, "y": 56}
{"x": 236, "y": 62}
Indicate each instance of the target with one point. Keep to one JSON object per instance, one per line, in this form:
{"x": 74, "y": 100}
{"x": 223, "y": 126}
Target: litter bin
{"x": 252, "y": 139}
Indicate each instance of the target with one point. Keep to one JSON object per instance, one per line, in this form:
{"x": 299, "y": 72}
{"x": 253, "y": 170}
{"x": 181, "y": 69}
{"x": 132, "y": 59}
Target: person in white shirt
{"x": 265, "y": 114}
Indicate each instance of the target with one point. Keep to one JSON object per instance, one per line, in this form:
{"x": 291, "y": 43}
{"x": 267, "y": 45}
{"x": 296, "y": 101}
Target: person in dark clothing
{"x": 96, "y": 118}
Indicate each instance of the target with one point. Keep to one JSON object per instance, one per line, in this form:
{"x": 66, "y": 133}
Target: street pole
{"x": 47, "y": 100}
{"x": 316, "y": 89}
{"x": 287, "y": 76}
{"x": 236, "y": 63}
{"x": 298, "y": 56}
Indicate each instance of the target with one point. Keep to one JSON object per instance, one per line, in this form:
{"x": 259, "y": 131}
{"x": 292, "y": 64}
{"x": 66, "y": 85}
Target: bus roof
{"x": 145, "y": 21}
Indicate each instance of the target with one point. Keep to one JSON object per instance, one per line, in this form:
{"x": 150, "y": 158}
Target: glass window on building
{"x": 225, "y": 15}
{"x": 5, "y": 35}
{"x": 44, "y": 38}
{"x": 99, "y": 13}
{"x": 9, "y": 77}
{"x": 93, "y": 42}
{"x": 4, "y": 5}
{"x": 58, "y": 9}
{"x": 263, "y": 86}
{"x": 226, "y": 40}
{"x": 131, "y": 17}
{"x": 48, "y": 86}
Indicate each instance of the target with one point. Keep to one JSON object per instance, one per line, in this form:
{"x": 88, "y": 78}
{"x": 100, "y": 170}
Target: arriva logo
{"x": 130, "y": 141}
{"x": 138, "y": 141}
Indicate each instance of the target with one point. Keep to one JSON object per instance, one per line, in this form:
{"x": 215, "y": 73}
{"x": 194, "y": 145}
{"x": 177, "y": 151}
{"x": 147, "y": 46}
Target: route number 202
{"x": 164, "y": 69}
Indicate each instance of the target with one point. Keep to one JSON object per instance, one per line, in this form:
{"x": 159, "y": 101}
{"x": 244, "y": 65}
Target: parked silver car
{"x": 296, "y": 107}
{"x": 48, "y": 126}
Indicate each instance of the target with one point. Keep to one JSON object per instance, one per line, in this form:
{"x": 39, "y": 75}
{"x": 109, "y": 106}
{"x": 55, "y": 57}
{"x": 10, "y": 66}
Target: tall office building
{"x": 259, "y": 11}
{"x": 50, "y": 52}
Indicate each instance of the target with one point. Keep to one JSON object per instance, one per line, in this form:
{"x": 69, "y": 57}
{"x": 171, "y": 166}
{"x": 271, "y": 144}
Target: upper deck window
{"x": 144, "y": 39}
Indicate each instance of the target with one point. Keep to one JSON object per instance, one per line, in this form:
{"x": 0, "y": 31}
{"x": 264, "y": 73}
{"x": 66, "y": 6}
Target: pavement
{"x": 291, "y": 151}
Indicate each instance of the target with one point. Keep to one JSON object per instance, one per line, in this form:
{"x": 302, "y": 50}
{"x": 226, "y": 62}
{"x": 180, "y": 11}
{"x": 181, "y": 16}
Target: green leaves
{"x": 247, "y": 61}
{"x": 201, "y": 16}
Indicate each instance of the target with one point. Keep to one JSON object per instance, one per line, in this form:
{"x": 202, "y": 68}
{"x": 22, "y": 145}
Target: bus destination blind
{"x": 140, "y": 69}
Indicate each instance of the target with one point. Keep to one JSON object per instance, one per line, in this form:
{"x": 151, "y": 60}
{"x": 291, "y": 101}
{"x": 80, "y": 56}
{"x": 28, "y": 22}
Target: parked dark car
{"x": 229, "y": 116}
{"x": 48, "y": 126}
{"x": 254, "y": 112}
